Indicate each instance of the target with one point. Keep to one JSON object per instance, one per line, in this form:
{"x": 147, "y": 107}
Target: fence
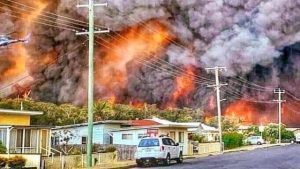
{"x": 79, "y": 161}
{"x": 204, "y": 148}
{"x": 125, "y": 152}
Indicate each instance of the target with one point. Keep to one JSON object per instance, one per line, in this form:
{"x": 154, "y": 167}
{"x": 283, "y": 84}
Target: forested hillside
{"x": 64, "y": 114}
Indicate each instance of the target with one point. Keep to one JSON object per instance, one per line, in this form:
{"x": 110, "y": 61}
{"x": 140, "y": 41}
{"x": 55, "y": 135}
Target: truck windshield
{"x": 149, "y": 143}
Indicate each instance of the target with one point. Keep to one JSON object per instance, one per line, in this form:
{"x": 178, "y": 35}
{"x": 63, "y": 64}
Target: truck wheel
{"x": 168, "y": 160}
{"x": 258, "y": 143}
{"x": 139, "y": 163}
{"x": 180, "y": 158}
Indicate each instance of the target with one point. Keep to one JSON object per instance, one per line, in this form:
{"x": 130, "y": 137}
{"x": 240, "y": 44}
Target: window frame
{"x": 181, "y": 137}
{"x": 127, "y": 138}
{"x": 83, "y": 142}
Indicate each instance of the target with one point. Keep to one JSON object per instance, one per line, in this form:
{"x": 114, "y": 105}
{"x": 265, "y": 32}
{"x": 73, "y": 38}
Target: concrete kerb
{"x": 254, "y": 147}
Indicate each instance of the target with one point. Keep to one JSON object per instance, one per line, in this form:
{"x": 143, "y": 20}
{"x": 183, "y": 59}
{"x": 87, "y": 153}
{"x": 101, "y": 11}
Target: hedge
{"x": 232, "y": 140}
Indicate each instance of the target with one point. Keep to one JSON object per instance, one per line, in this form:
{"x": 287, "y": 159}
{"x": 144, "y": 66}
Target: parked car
{"x": 156, "y": 150}
{"x": 297, "y": 138}
{"x": 255, "y": 140}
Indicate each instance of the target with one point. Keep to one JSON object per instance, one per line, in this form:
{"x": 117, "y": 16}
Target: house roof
{"x": 151, "y": 127}
{"x": 95, "y": 123}
{"x": 158, "y": 121}
{"x": 146, "y": 122}
{"x": 207, "y": 128}
{"x": 162, "y": 122}
{"x": 20, "y": 112}
{"x": 26, "y": 127}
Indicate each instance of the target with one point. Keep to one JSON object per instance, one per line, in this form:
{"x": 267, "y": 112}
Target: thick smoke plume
{"x": 252, "y": 38}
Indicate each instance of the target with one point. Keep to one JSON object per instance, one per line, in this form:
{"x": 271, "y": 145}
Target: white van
{"x": 256, "y": 140}
{"x": 157, "y": 150}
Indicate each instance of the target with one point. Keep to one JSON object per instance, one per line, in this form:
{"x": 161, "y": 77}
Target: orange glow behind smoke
{"x": 17, "y": 53}
{"x": 184, "y": 86}
{"x": 246, "y": 112}
{"x": 139, "y": 41}
{"x": 291, "y": 113}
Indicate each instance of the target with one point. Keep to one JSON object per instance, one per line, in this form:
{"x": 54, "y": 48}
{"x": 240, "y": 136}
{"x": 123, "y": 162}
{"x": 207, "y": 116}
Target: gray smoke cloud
{"x": 242, "y": 35}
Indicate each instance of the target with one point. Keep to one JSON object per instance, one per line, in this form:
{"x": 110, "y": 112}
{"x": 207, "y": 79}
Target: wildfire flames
{"x": 254, "y": 113}
{"x": 184, "y": 86}
{"x": 173, "y": 32}
{"x": 135, "y": 43}
{"x": 14, "y": 58}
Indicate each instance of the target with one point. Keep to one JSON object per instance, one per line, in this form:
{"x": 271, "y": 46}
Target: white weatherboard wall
{"x": 100, "y": 133}
{"x": 117, "y": 136}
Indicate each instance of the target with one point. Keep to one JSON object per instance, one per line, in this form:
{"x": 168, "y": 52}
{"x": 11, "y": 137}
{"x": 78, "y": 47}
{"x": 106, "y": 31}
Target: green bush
{"x": 2, "y": 148}
{"x": 199, "y": 138}
{"x": 232, "y": 140}
{"x": 16, "y": 162}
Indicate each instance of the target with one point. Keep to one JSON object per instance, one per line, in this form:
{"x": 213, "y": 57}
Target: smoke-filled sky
{"x": 156, "y": 51}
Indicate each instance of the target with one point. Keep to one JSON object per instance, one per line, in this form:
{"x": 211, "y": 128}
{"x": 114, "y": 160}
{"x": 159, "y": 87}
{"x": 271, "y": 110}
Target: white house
{"x": 132, "y": 135}
{"x": 210, "y": 133}
{"x": 154, "y": 127}
{"x": 77, "y": 133}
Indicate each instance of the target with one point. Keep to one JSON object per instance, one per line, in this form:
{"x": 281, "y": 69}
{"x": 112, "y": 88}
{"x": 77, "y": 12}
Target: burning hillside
{"x": 157, "y": 51}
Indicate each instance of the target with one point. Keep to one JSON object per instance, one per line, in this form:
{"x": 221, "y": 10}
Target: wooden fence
{"x": 204, "y": 148}
{"x": 124, "y": 152}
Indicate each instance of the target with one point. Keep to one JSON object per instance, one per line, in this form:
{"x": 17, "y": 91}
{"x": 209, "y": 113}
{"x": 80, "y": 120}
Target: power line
{"x": 75, "y": 28}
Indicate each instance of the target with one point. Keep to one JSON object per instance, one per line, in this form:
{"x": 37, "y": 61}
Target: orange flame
{"x": 184, "y": 85}
{"x": 133, "y": 43}
{"x": 241, "y": 110}
{"x": 16, "y": 54}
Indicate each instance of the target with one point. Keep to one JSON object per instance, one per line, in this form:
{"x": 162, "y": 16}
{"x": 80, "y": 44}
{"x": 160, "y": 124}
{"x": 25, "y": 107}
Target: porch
{"x": 26, "y": 139}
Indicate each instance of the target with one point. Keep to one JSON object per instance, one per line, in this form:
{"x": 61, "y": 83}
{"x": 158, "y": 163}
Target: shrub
{"x": 199, "y": 138}
{"x": 110, "y": 149}
{"x": 2, "y": 162}
{"x": 232, "y": 140}
{"x": 2, "y": 148}
{"x": 16, "y": 162}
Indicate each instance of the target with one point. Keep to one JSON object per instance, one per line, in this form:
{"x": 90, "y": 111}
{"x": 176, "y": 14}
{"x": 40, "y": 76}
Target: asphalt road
{"x": 284, "y": 157}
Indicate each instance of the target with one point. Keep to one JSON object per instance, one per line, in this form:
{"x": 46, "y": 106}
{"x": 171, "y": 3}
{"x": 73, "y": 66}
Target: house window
{"x": 83, "y": 140}
{"x": 55, "y": 141}
{"x": 19, "y": 137}
{"x": 3, "y": 136}
{"x": 181, "y": 137}
{"x": 27, "y": 138}
{"x": 172, "y": 135}
{"x": 127, "y": 136}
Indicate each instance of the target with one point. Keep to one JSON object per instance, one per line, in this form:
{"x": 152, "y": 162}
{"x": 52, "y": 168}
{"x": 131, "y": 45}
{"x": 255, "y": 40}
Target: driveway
{"x": 283, "y": 157}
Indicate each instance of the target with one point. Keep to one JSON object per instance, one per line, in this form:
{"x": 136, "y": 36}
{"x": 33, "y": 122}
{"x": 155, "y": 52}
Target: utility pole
{"x": 217, "y": 86}
{"x": 90, "y": 34}
{"x": 279, "y": 101}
